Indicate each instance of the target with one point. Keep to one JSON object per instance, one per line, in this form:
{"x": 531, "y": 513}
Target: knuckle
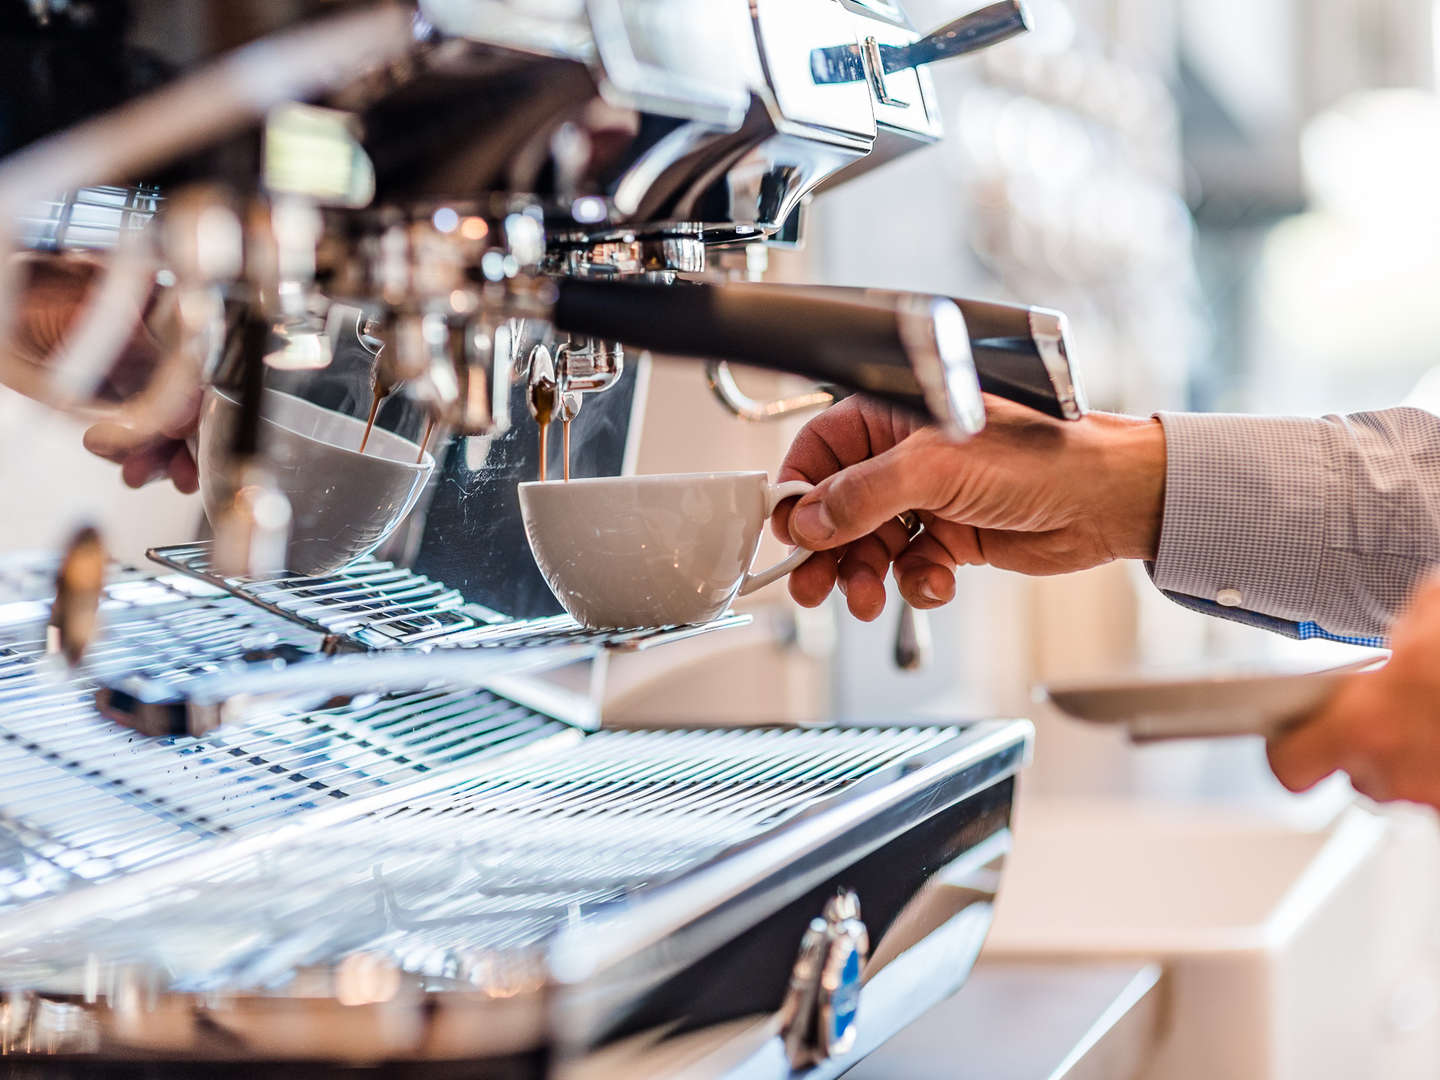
{"x": 1284, "y": 768}
{"x": 853, "y": 496}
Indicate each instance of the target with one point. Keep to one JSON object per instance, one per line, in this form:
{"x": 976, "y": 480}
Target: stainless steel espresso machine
{"x": 265, "y": 820}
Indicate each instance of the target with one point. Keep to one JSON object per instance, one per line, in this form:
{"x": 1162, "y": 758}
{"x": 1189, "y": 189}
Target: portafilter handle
{"x": 914, "y": 352}
{"x": 1022, "y": 354}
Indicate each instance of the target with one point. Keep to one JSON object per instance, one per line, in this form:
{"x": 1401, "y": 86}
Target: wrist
{"x": 1130, "y": 503}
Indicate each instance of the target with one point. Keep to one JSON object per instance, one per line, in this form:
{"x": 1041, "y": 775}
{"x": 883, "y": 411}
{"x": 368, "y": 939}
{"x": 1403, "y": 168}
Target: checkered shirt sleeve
{"x": 1315, "y": 527}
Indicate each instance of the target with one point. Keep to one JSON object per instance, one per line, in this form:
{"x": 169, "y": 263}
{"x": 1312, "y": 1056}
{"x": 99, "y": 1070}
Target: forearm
{"x": 1328, "y": 521}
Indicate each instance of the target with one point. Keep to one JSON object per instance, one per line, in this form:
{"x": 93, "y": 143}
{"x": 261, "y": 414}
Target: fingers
{"x": 143, "y": 466}
{"x": 863, "y": 569}
{"x": 862, "y": 497}
{"x": 842, "y": 435}
{"x": 184, "y": 473}
{"x": 812, "y": 580}
{"x": 1351, "y": 733}
{"x": 114, "y": 442}
{"x": 1304, "y": 757}
{"x": 143, "y": 457}
{"x": 925, "y": 572}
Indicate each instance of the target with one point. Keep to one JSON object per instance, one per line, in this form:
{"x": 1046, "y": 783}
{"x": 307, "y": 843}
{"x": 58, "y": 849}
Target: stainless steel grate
{"x": 83, "y": 800}
{"x": 458, "y": 884}
{"x": 27, "y": 587}
{"x": 377, "y": 605}
{"x": 90, "y": 218}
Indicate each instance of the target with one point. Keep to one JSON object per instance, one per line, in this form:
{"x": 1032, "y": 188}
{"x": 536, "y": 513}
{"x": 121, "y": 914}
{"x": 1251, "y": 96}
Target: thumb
{"x": 859, "y": 499}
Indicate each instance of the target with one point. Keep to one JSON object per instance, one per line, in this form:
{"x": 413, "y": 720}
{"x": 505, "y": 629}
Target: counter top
{"x": 1030, "y": 1021}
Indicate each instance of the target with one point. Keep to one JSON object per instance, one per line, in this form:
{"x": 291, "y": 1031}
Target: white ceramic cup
{"x": 344, "y": 504}
{"x": 668, "y": 550}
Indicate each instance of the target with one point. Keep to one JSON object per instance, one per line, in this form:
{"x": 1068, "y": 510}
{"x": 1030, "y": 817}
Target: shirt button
{"x": 1229, "y": 598}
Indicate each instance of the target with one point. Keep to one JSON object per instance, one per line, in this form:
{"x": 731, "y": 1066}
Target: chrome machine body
{"x": 356, "y": 834}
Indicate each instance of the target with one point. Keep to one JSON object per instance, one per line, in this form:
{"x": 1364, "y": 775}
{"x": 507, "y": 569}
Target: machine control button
{"x": 819, "y": 1019}
{"x": 1229, "y": 598}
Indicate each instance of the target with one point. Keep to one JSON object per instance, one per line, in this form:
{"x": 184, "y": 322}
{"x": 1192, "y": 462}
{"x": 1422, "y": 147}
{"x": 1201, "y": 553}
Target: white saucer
{"x": 1220, "y": 703}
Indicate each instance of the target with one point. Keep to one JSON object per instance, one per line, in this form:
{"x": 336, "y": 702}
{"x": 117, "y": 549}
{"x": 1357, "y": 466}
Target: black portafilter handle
{"x": 1021, "y": 354}
{"x": 914, "y": 352}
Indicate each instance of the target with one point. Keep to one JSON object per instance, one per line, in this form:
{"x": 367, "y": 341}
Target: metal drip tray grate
{"x": 369, "y": 604}
{"x": 27, "y": 587}
{"x": 457, "y": 884}
{"x": 84, "y": 800}
{"x": 91, "y": 217}
{"x": 377, "y": 605}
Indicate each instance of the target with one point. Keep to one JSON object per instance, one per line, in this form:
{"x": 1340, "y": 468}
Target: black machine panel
{"x": 471, "y": 535}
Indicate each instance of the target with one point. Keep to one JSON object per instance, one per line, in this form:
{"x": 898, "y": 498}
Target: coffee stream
{"x": 378, "y": 394}
{"x": 370, "y": 424}
{"x": 379, "y": 391}
{"x": 544, "y": 398}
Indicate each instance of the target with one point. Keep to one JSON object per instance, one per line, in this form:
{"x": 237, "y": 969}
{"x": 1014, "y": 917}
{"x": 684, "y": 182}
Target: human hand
{"x": 1382, "y": 727}
{"x": 144, "y": 456}
{"x": 53, "y": 290}
{"x": 1028, "y": 493}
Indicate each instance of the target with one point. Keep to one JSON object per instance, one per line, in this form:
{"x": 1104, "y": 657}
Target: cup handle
{"x": 775, "y": 494}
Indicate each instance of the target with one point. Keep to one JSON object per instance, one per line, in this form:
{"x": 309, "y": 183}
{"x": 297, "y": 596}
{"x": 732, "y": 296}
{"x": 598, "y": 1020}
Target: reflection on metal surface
{"x": 454, "y": 887}
{"x": 727, "y": 390}
{"x": 79, "y": 587}
{"x": 820, "y": 1017}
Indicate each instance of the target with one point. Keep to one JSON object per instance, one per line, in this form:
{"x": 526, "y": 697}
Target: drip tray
{"x": 413, "y": 633}
{"x": 372, "y": 605}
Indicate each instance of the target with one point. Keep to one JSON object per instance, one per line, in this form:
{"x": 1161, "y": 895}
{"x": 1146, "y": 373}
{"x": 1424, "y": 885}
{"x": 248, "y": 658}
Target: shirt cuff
{"x": 1244, "y": 514}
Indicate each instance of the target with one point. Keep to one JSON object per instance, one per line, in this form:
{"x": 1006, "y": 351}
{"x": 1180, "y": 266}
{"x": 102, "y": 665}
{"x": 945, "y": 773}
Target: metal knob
{"x": 818, "y": 1019}
{"x": 79, "y": 586}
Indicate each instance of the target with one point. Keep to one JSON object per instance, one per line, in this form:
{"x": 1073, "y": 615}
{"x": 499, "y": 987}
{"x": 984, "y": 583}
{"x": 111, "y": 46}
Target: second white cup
{"x": 630, "y": 551}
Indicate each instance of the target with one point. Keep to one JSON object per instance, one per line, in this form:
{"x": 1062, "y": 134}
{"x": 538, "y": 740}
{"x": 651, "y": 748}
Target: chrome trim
{"x": 231, "y": 696}
{"x": 551, "y": 31}
{"x": 1051, "y": 332}
{"x": 639, "y": 950}
{"x": 723, "y": 385}
{"x": 875, "y": 71}
{"x": 513, "y": 1001}
{"x": 935, "y": 337}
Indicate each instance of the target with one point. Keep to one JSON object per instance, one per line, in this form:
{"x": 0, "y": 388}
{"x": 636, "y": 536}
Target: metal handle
{"x": 727, "y": 390}
{"x": 969, "y": 33}
{"x": 1022, "y": 354}
{"x": 914, "y": 644}
{"x": 913, "y": 352}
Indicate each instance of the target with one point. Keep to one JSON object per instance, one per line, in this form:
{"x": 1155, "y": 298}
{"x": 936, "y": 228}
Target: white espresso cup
{"x": 344, "y": 503}
{"x": 630, "y": 551}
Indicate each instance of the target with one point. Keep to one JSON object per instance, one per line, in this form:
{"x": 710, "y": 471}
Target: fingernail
{"x": 927, "y": 591}
{"x": 812, "y": 522}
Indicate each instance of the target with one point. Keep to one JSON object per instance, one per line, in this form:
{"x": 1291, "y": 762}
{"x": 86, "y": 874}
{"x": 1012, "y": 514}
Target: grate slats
{"x": 84, "y": 800}
{"x": 465, "y": 881}
{"x": 87, "y": 219}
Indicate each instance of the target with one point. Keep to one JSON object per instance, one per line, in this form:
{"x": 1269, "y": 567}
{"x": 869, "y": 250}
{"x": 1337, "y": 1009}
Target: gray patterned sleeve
{"x": 1328, "y": 521}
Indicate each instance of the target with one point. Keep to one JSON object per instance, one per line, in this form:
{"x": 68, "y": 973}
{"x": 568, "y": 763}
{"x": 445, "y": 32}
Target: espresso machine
{"x": 255, "y": 818}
